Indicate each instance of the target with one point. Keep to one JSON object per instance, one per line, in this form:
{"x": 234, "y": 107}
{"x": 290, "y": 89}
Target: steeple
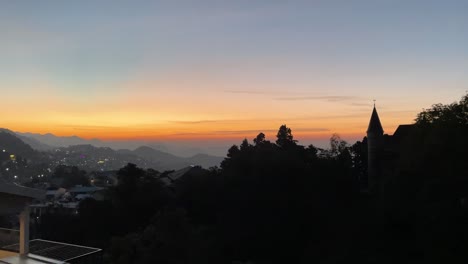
{"x": 374, "y": 125}
{"x": 374, "y": 152}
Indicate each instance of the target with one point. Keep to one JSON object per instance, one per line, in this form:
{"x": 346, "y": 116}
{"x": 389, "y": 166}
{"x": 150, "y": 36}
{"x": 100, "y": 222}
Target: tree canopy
{"x": 281, "y": 202}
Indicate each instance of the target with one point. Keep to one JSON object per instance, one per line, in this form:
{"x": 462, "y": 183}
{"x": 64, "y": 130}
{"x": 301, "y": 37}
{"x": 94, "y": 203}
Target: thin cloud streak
{"x": 330, "y": 98}
{"x": 271, "y": 130}
{"x": 246, "y": 92}
{"x": 248, "y": 131}
{"x": 195, "y": 122}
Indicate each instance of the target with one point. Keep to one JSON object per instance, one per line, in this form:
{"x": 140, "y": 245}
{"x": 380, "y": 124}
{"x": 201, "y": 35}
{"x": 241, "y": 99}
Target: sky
{"x": 220, "y": 70}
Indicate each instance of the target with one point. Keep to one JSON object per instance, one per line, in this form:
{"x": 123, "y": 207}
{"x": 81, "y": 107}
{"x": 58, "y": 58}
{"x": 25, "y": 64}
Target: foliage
{"x": 284, "y": 137}
{"x": 70, "y": 176}
{"x": 281, "y": 202}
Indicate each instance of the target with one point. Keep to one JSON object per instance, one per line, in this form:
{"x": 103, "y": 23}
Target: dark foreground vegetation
{"x": 280, "y": 202}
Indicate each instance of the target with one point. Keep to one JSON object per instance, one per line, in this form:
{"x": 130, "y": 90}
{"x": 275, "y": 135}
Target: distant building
{"x": 79, "y": 189}
{"x": 54, "y": 194}
{"x": 172, "y": 177}
{"x": 383, "y": 152}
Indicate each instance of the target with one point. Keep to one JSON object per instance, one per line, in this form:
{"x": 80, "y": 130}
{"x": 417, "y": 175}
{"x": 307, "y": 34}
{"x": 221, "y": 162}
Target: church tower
{"x": 374, "y": 151}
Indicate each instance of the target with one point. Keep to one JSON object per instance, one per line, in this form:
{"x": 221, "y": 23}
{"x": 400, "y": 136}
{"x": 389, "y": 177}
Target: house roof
{"x": 85, "y": 189}
{"x": 403, "y": 130}
{"x": 18, "y": 190}
{"x": 374, "y": 124}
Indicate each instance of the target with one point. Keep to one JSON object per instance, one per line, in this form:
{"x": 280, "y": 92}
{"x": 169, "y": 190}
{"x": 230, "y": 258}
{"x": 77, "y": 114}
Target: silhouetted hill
{"x": 58, "y": 141}
{"x": 89, "y": 157}
{"x": 175, "y": 162}
{"x": 150, "y": 153}
{"x": 103, "y": 158}
{"x": 205, "y": 160}
{"x": 144, "y": 156}
{"x": 34, "y": 143}
{"x": 48, "y": 141}
{"x": 10, "y": 143}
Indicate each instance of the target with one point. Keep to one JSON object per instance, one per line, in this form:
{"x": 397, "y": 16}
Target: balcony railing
{"x": 40, "y": 249}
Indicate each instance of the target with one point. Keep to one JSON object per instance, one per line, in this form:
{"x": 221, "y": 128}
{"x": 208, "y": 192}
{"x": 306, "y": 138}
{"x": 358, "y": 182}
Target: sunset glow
{"x": 206, "y": 71}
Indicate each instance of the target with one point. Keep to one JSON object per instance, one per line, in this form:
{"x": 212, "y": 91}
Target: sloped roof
{"x": 174, "y": 176}
{"x": 374, "y": 124}
{"x": 403, "y": 130}
{"x": 85, "y": 189}
{"x": 18, "y": 190}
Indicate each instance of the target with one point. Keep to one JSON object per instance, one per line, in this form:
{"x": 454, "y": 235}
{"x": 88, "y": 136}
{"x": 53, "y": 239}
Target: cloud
{"x": 194, "y": 122}
{"x": 87, "y": 127}
{"x": 246, "y": 92}
{"x": 234, "y": 132}
{"x": 188, "y": 134}
{"x": 247, "y": 131}
{"x": 362, "y": 104}
{"x": 330, "y": 98}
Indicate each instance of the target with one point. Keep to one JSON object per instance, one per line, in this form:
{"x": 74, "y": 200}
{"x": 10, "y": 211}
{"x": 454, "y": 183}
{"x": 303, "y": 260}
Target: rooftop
{"x": 18, "y": 190}
{"x": 374, "y": 124}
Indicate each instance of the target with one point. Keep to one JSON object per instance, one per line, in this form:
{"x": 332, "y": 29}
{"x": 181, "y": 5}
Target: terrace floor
{"x": 6, "y": 254}
{"x": 8, "y": 257}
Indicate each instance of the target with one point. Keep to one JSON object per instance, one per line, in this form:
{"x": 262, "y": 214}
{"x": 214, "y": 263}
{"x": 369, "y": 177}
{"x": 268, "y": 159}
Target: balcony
{"x": 16, "y": 246}
{"x": 44, "y": 251}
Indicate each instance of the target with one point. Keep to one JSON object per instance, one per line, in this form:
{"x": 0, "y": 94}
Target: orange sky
{"x": 203, "y": 105}
{"x": 179, "y": 113}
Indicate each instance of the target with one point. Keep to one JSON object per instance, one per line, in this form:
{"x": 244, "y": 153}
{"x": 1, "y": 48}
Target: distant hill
{"x": 175, "y": 162}
{"x": 49, "y": 141}
{"x": 143, "y": 156}
{"x": 91, "y": 157}
{"x": 94, "y": 158}
{"x": 55, "y": 141}
{"x": 205, "y": 160}
{"x": 34, "y": 143}
{"x": 12, "y": 144}
{"x": 104, "y": 158}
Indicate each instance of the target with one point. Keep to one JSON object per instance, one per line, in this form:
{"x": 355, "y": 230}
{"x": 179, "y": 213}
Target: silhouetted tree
{"x": 259, "y": 139}
{"x": 70, "y": 176}
{"x": 286, "y": 203}
{"x": 284, "y": 136}
{"x": 425, "y": 201}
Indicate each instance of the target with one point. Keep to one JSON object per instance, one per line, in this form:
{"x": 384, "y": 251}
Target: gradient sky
{"x": 224, "y": 70}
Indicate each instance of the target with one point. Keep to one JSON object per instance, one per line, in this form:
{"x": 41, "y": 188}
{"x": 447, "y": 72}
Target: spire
{"x": 374, "y": 125}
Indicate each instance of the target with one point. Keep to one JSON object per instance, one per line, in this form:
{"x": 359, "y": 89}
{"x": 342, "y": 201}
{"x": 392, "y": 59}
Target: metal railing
{"x": 57, "y": 251}
{"x": 67, "y": 253}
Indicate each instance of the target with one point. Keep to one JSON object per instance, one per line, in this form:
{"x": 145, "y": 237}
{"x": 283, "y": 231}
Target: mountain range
{"x": 93, "y": 154}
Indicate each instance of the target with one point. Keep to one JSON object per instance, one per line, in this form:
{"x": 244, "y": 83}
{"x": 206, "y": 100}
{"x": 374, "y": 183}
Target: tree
{"x": 138, "y": 195}
{"x": 359, "y": 159}
{"x": 70, "y": 176}
{"x": 245, "y": 145}
{"x": 259, "y": 139}
{"x": 285, "y": 137}
{"x": 337, "y": 145}
{"x": 425, "y": 199}
{"x": 455, "y": 114}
